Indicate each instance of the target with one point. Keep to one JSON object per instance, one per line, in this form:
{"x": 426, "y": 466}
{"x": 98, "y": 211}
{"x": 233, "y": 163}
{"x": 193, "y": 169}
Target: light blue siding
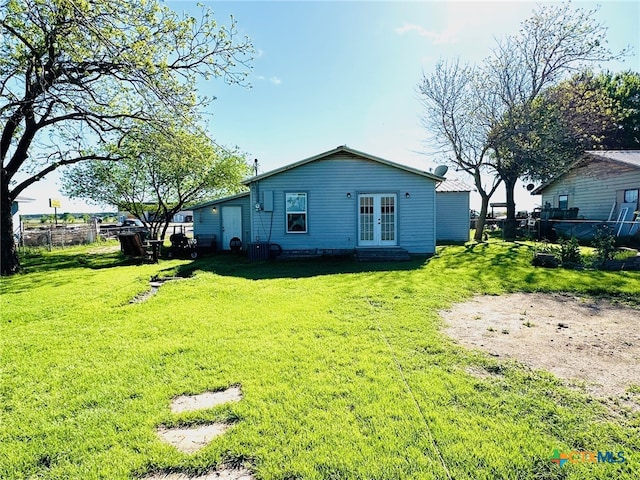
{"x": 452, "y": 219}
{"x": 207, "y": 223}
{"x": 595, "y": 188}
{"x": 332, "y": 215}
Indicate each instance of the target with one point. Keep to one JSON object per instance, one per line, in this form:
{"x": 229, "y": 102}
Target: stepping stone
{"x": 224, "y": 474}
{"x": 192, "y": 439}
{"x": 189, "y": 403}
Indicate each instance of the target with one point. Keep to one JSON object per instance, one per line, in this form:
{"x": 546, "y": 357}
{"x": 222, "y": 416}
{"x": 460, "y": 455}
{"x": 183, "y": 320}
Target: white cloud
{"x": 273, "y": 80}
{"x": 447, "y": 36}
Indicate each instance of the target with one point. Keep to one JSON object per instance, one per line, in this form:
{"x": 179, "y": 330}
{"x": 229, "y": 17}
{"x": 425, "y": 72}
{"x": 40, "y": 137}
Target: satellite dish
{"x": 441, "y": 170}
{"x": 530, "y": 187}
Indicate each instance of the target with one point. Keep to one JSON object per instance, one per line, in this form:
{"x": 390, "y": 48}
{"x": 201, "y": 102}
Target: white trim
{"x": 377, "y": 222}
{"x": 296, "y": 210}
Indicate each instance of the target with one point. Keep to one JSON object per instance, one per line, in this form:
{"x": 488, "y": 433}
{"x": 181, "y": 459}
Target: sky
{"x": 345, "y": 73}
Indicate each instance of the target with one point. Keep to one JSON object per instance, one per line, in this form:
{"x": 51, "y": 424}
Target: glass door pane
{"x": 366, "y": 219}
{"x": 388, "y": 219}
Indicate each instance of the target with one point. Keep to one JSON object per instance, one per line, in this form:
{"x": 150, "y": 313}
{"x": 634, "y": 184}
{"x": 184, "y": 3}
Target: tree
{"x": 76, "y": 74}
{"x": 554, "y": 42}
{"x": 161, "y": 172}
{"x": 602, "y": 111}
{"x": 453, "y": 113}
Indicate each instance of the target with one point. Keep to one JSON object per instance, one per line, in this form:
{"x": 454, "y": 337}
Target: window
{"x": 563, "y": 202}
{"x": 631, "y": 196}
{"x": 296, "y": 208}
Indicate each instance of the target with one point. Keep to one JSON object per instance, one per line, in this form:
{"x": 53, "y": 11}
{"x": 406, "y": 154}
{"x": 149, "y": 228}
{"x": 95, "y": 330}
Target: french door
{"x": 377, "y": 219}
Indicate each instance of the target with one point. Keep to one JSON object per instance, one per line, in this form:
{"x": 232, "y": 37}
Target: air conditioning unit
{"x": 258, "y": 251}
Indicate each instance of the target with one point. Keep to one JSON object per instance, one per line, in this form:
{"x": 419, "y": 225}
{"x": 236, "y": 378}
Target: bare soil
{"x": 590, "y": 342}
{"x": 223, "y": 474}
{"x": 192, "y": 439}
{"x": 187, "y": 403}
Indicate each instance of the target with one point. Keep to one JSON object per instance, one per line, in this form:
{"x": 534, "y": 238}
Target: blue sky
{"x": 335, "y": 73}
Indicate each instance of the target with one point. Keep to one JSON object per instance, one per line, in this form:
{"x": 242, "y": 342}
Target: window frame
{"x": 304, "y": 212}
{"x": 565, "y": 201}
{"x": 624, "y": 195}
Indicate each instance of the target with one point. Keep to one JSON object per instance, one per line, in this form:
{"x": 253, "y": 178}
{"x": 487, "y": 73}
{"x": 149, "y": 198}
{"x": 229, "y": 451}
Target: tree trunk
{"x": 165, "y": 227}
{"x": 482, "y": 218}
{"x": 510, "y": 224}
{"x": 10, "y": 263}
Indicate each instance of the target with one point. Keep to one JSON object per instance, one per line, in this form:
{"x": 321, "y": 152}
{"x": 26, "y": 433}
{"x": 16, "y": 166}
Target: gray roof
{"x": 453, "y": 186}
{"x": 343, "y": 149}
{"x": 220, "y": 200}
{"x": 628, "y": 157}
{"x": 625, "y": 157}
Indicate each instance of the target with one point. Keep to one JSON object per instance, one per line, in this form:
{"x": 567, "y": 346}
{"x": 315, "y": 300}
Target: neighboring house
{"x": 183, "y": 216}
{"x": 219, "y": 221}
{"x": 452, "y": 211}
{"x": 15, "y": 207}
{"x": 602, "y": 185}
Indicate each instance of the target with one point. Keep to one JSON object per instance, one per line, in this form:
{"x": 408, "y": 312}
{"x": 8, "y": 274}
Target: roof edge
{"x": 220, "y": 200}
{"x": 342, "y": 148}
{"x": 600, "y": 155}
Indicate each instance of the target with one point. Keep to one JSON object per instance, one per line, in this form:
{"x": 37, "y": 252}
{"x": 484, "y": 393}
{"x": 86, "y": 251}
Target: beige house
{"x": 601, "y": 185}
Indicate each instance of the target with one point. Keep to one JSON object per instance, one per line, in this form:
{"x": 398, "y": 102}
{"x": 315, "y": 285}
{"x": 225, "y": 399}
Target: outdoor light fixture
{"x": 407, "y": 195}
{"x": 348, "y": 194}
{"x": 214, "y": 209}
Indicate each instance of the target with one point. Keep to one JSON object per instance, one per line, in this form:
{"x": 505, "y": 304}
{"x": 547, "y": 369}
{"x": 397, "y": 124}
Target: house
{"x": 15, "y": 207}
{"x": 601, "y": 185}
{"x": 219, "y": 221}
{"x": 337, "y": 202}
{"x": 452, "y": 208}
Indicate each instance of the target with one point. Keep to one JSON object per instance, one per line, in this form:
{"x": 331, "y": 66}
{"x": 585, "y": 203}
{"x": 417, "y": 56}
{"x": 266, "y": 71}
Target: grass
{"x": 344, "y": 369}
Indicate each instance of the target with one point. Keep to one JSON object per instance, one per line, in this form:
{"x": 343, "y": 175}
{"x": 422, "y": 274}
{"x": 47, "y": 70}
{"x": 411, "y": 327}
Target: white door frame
{"x": 231, "y": 224}
{"x": 377, "y": 219}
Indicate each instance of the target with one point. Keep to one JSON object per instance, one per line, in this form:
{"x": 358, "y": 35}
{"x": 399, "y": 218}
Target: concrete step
{"x": 378, "y": 254}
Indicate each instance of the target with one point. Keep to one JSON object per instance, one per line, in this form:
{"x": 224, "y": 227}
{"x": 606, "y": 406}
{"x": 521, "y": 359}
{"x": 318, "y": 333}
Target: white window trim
{"x": 563, "y": 195}
{"x": 303, "y": 212}
{"x": 624, "y": 194}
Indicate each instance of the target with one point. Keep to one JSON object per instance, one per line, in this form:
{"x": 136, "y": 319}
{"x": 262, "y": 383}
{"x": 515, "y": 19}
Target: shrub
{"x": 570, "y": 252}
{"x": 605, "y": 244}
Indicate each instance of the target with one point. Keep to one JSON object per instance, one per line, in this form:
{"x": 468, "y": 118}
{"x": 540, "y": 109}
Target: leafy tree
{"x": 601, "y": 111}
{"x": 453, "y": 113}
{"x": 76, "y": 74}
{"x": 554, "y": 42}
{"x": 161, "y": 172}
{"x": 68, "y": 218}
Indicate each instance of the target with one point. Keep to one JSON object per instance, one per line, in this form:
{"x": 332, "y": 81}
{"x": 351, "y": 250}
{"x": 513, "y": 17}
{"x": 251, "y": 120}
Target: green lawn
{"x": 344, "y": 369}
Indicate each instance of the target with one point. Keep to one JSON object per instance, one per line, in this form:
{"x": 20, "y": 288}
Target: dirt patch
{"x": 224, "y": 474}
{"x": 188, "y": 403}
{"x": 192, "y": 439}
{"x": 577, "y": 339}
{"x": 104, "y": 249}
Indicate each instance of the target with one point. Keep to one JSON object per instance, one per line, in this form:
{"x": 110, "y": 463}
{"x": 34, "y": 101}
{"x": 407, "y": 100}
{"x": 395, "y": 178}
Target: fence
{"x": 586, "y": 229}
{"x": 58, "y": 236}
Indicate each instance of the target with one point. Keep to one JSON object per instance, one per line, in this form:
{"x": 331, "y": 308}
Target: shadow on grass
{"x": 225, "y": 264}
{"x": 58, "y": 260}
{"x": 499, "y": 265}
{"x": 239, "y": 266}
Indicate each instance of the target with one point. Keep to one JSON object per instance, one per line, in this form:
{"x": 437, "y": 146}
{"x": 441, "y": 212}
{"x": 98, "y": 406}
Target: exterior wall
{"x": 207, "y": 223}
{"x": 332, "y": 217}
{"x": 593, "y": 187}
{"x": 452, "y": 218}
